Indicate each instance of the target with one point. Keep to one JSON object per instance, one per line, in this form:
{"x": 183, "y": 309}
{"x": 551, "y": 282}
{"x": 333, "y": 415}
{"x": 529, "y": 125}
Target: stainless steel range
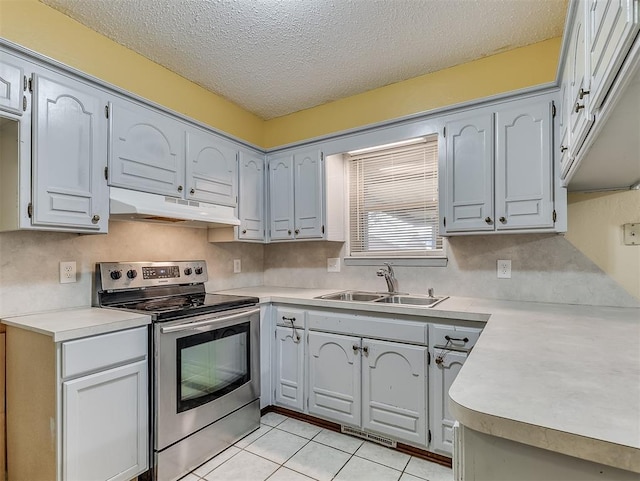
{"x": 204, "y": 364}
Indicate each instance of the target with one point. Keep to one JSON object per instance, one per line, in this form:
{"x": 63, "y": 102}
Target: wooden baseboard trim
{"x": 331, "y": 426}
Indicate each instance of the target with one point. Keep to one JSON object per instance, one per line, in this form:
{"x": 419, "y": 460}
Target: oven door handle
{"x": 195, "y": 325}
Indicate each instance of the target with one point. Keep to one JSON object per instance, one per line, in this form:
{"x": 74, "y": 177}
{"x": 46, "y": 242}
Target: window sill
{"x": 397, "y": 261}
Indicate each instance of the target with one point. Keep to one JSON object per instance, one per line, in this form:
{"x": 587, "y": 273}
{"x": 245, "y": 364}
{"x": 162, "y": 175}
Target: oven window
{"x": 212, "y": 364}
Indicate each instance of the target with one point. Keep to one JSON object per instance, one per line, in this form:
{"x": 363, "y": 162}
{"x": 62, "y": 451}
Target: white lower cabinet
{"x": 375, "y": 385}
{"x": 77, "y": 410}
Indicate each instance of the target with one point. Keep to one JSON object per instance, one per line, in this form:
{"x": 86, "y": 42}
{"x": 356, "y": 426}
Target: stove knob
{"x": 132, "y": 274}
{"x": 198, "y": 270}
{"x": 115, "y": 275}
{"x": 188, "y": 271}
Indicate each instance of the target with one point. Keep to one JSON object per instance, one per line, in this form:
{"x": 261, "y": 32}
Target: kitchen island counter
{"x": 561, "y": 377}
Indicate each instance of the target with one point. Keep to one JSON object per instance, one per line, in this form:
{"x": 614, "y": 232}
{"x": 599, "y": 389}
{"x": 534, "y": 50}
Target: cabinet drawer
{"x": 367, "y": 326}
{"x": 101, "y": 352}
{"x": 456, "y": 334}
{"x": 284, "y": 315}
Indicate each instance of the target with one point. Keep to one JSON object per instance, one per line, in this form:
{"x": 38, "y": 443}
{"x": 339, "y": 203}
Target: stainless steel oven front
{"x": 206, "y": 387}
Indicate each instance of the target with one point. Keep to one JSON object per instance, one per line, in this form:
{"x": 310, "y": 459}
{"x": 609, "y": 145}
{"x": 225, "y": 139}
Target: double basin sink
{"x": 384, "y": 298}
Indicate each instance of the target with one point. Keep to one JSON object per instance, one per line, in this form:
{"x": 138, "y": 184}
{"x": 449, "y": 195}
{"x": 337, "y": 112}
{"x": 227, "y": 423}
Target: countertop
{"x": 557, "y": 376}
{"x": 68, "y": 324}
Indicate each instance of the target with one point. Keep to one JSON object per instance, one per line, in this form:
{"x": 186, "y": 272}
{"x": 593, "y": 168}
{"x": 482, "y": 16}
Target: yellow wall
{"x": 519, "y": 68}
{"x": 47, "y": 31}
{"x": 595, "y": 228}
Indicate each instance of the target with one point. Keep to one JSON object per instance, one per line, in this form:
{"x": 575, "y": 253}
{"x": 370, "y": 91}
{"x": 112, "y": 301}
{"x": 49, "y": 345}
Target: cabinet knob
{"x": 355, "y": 348}
{"x": 582, "y": 93}
{"x": 297, "y": 231}
{"x": 95, "y": 219}
{"x": 365, "y": 349}
{"x": 192, "y": 191}
{"x": 503, "y": 220}
{"x": 180, "y": 188}
{"x": 487, "y": 220}
{"x": 289, "y": 232}
{"x": 563, "y": 148}
{"x": 577, "y": 108}
{"x": 244, "y": 231}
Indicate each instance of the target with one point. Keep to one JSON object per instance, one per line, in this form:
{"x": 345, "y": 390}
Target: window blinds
{"x": 393, "y": 201}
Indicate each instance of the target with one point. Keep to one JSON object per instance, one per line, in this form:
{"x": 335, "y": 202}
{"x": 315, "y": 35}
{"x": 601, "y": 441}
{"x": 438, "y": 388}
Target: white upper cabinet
{"x": 524, "y": 180}
{"x": 251, "y": 209}
{"x": 613, "y": 24}
{"x": 69, "y": 148}
{"x": 295, "y": 195}
{"x": 468, "y": 173}
{"x": 146, "y": 150}
{"x": 308, "y": 175}
{"x": 12, "y": 84}
{"x": 281, "y": 198}
{"x": 211, "y": 168}
{"x": 498, "y": 169}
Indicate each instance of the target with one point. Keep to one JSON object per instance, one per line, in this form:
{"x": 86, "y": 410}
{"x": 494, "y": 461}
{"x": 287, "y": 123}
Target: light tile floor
{"x": 285, "y": 449}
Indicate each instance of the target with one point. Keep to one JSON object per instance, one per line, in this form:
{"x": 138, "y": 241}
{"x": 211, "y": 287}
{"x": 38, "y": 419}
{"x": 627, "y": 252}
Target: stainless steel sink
{"x": 353, "y": 296}
{"x": 411, "y": 300}
{"x": 405, "y": 299}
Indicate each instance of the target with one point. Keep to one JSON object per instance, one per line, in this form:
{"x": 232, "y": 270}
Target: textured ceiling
{"x": 274, "y": 57}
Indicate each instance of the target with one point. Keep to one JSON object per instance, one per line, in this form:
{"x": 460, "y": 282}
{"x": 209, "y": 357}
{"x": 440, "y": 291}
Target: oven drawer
{"x": 101, "y": 352}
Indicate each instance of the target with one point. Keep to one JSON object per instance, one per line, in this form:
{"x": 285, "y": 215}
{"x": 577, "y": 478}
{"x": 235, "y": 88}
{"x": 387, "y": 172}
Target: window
{"x": 393, "y": 200}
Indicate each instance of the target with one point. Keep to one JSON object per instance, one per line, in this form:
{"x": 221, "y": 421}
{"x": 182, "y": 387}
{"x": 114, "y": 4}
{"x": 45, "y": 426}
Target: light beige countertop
{"x": 557, "y": 376}
{"x": 67, "y": 324}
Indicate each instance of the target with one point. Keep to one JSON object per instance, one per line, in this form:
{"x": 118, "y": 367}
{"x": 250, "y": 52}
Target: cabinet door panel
{"x": 147, "y": 150}
{"x": 469, "y": 174}
{"x": 281, "y": 198}
{"x": 334, "y": 377}
{"x": 211, "y": 169}
{"x": 308, "y": 194}
{"x": 251, "y": 197}
{"x": 612, "y": 27}
{"x": 394, "y": 390}
{"x": 11, "y": 84}
{"x": 105, "y": 416}
{"x": 524, "y": 167}
{"x": 441, "y": 377}
{"x": 69, "y": 155}
{"x": 289, "y": 368}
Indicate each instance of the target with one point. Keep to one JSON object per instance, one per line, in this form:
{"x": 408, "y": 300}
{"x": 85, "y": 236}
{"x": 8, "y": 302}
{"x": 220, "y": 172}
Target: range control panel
{"x": 135, "y": 275}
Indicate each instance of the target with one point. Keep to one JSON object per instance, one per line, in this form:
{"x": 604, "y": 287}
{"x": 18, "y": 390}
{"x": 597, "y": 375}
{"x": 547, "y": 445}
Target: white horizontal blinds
{"x": 393, "y": 201}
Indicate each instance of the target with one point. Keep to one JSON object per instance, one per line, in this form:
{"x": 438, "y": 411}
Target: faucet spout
{"x": 389, "y": 276}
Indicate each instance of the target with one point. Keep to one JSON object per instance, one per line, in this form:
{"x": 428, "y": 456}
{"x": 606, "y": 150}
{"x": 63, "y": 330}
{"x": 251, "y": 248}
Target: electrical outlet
{"x": 504, "y": 269}
{"x": 237, "y": 266}
{"x": 67, "y": 272}
{"x": 333, "y": 264}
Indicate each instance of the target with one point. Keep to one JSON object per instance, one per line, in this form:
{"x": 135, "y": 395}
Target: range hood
{"x": 132, "y": 205}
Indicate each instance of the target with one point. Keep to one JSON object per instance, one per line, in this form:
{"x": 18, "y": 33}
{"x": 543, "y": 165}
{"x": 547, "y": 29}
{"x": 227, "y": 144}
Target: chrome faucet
{"x": 389, "y": 276}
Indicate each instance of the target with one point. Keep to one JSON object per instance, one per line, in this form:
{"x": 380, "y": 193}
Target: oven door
{"x": 205, "y": 368}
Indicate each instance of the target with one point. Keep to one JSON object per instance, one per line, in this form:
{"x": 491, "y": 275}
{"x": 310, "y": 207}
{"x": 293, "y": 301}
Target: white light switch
{"x": 632, "y": 234}
{"x": 333, "y": 264}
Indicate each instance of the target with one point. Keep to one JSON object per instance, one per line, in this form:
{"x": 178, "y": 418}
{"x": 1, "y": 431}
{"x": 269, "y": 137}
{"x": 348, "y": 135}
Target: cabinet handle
{"x": 355, "y": 348}
{"x": 244, "y": 231}
{"x": 297, "y": 231}
{"x": 95, "y": 219}
{"x": 503, "y": 220}
{"x": 487, "y": 220}
{"x": 179, "y": 188}
{"x": 289, "y": 232}
{"x": 582, "y": 93}
{"x": 577, "y": 108}
{"x": 365, "y": 349}
{"x": 192, "y": 191}
{"x": 563, "y": 149}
